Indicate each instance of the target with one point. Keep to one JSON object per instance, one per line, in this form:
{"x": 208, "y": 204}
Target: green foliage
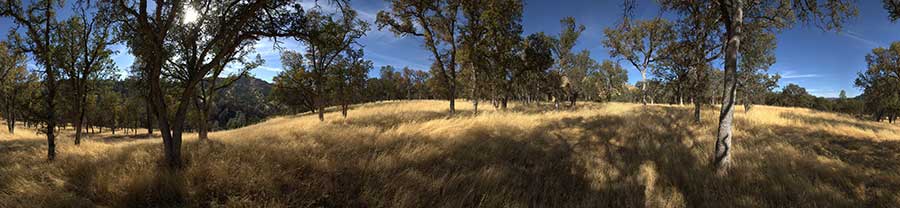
{"x": 537, "y": 62}
{"x": 639, "y": 42}
{"x": 795, "y": 96}
{"x": 610, "y": 80}
{"x": 881, "y": 82}
{"x": 893, "y": 8}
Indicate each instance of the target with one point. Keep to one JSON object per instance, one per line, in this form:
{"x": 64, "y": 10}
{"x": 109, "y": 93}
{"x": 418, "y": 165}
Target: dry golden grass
{"x": 411, "y": 154}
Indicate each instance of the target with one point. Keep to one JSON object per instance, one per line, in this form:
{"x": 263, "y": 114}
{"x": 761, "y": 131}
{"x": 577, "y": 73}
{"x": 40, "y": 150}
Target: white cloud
{"x": 858, "y": 37}
{"x": 797, "y": 76}
{"x": 788, "y": 74}
{"x": 269, "y": 68}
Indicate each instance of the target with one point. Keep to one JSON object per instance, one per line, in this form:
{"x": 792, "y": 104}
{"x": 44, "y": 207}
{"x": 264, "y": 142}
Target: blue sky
{"x": 822, "y": 62}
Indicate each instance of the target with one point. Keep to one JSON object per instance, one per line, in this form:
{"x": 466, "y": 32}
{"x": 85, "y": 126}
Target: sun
{"x": 190, "y": 15}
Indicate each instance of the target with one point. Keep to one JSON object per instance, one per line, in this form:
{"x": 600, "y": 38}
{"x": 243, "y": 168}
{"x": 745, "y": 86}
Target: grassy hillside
{"x": 410, "y": 154}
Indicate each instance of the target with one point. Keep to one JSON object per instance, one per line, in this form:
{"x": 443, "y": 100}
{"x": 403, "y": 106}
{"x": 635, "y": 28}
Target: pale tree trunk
{"x": 644, "y": 87}
{"x": 697, "y": 112}
{"x": 556, "y": 101}
{"x": 734, "y": 24}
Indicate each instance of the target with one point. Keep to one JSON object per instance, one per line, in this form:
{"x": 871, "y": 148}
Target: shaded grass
{"x": 411, "y": 154}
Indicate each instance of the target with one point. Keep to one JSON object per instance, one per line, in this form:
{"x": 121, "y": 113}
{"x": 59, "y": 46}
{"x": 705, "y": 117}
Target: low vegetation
{"x": 412, "y": 154}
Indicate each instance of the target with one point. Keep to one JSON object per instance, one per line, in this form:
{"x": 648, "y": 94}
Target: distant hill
{"x": 244, "y": 102}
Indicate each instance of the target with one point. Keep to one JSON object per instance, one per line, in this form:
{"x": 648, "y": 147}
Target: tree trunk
{"x": 51, "y": 114}
{"x": 79, "y": 121}
{"x": 697, "y": 112}
{"x": 149, "y": 120}
{"x": 452, "y": 97}
{"x": 171, "y": 135}
{"x": 475, "y": 91}
{"x": 644, "y": 87}
{"x": 734, "y": 23}
{"x": 573, "y": 99}
{"x": 321, "y": 108}
{"x": 10, "y": 117}
{"x": 203, "y": 126}
{"x": 556, "y": 102}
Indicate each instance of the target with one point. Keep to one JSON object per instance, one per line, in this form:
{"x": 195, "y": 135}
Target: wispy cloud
{"x": 269, "y": 68}
{"x": 793, "y": 75}
{"x": 859, "y": 37}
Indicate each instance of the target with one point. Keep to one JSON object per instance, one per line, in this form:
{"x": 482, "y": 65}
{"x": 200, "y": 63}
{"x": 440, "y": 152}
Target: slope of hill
{"x": 411, "y": 154}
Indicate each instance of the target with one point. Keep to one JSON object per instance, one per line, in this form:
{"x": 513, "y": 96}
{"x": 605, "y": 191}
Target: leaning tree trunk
{"x": 171, "y": 135}
{"x": 734, "y": 20}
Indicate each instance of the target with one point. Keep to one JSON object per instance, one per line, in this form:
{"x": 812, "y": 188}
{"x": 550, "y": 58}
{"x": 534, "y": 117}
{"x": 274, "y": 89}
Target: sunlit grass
{"x": 413, "y": 154}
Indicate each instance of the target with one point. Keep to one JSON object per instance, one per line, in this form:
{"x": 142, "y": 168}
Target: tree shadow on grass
{"x": 656, "y": 158}
{"x": 119, "y": 138}
{"x": 808, "y": 167}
